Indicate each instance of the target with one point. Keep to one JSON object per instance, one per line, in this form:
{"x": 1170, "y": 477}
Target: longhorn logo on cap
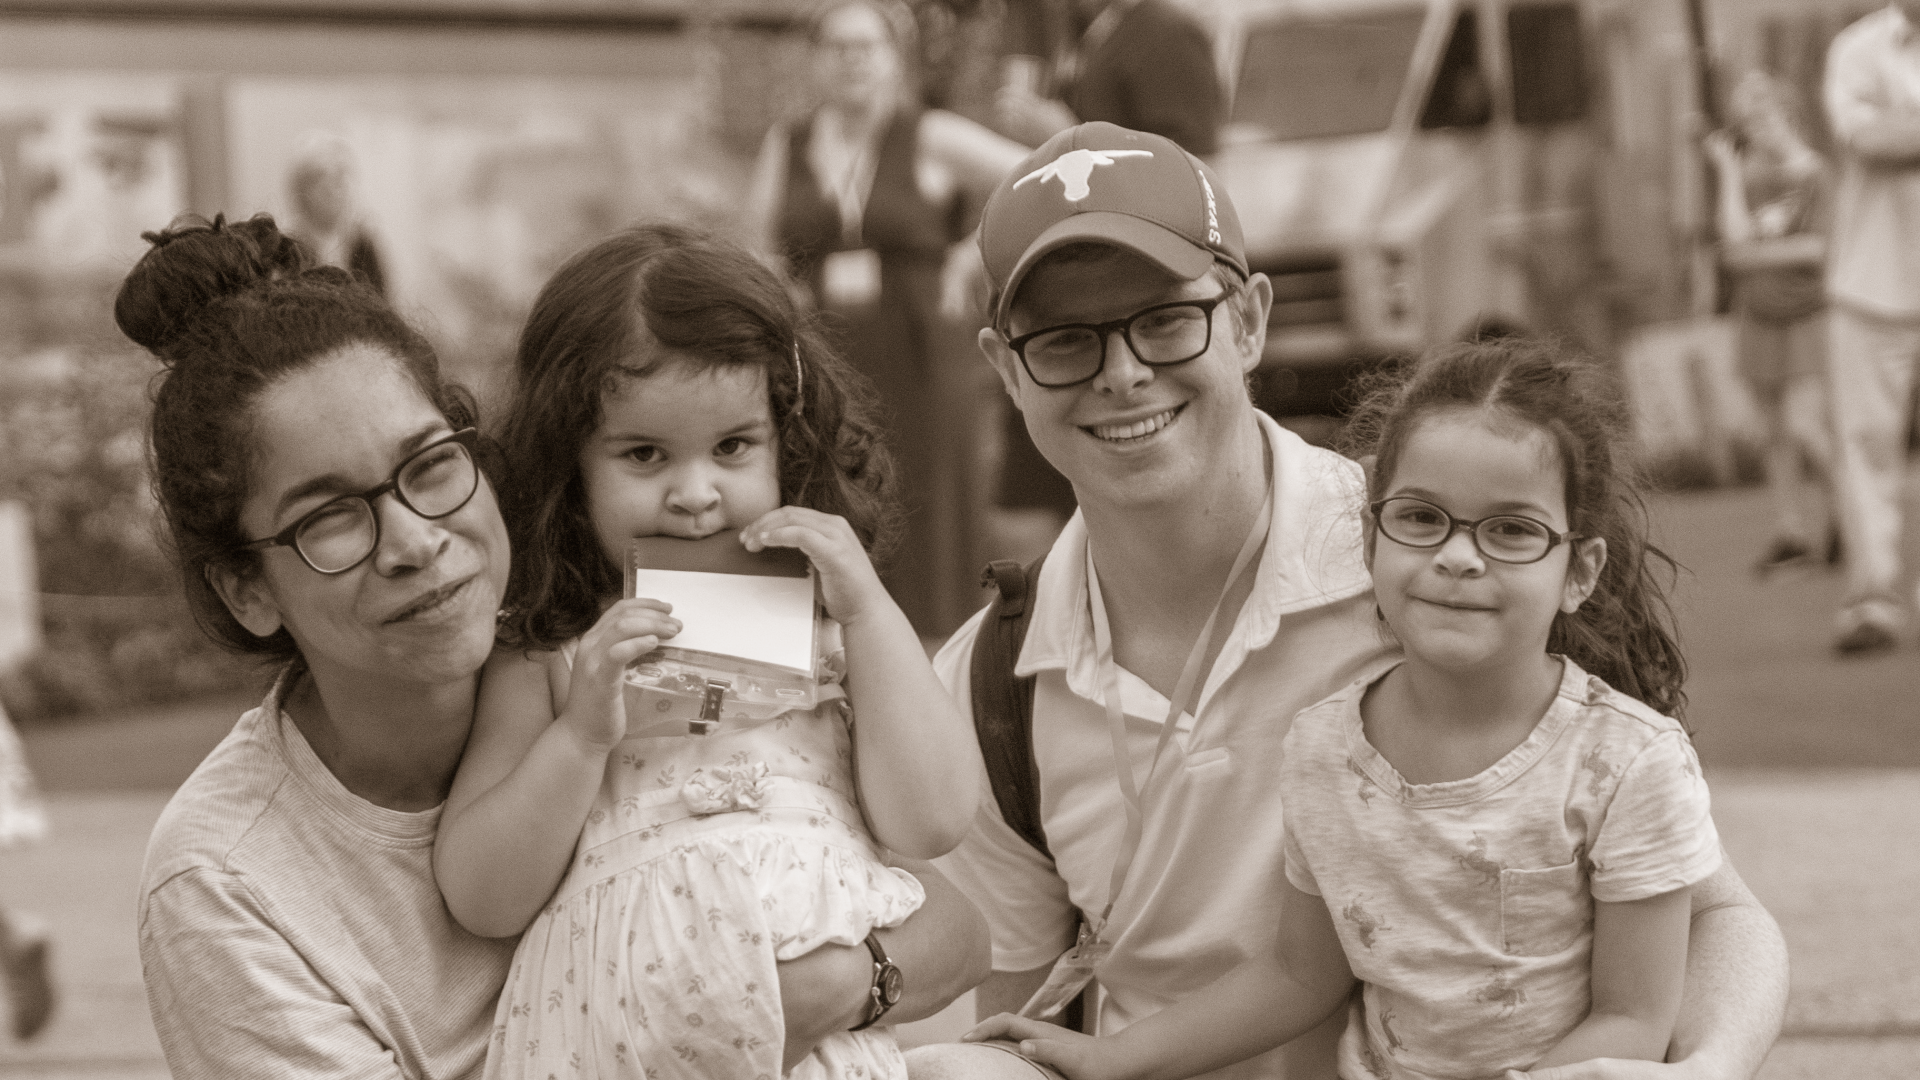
{"x": 1075, "y": 167}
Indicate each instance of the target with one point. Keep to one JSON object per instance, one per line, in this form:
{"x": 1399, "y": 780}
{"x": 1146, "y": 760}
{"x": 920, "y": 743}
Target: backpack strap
{"x": 1003, "y": 703}
{"x": 1003, "y": 719}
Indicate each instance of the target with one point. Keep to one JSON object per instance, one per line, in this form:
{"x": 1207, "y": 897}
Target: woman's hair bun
{"x": 194, "y": 262}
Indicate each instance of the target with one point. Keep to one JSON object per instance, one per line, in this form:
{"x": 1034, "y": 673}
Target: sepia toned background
{"x": 489, "y": 139}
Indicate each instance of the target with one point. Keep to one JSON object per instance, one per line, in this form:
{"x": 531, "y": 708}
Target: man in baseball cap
{"x": 1125, "y": 324}
{"x": 1100, "y": 183}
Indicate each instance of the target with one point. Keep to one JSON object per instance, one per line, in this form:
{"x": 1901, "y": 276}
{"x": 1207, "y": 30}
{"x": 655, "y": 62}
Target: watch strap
{"x": 877, "y": 1003}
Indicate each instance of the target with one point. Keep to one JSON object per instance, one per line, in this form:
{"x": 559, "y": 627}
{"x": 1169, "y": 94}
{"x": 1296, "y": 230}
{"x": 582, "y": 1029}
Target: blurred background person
{"x": 326, "y": 216}
{"x": 1771, "y": 211}
{"x": 24, "y": 946}
{"x": 1141, "y": 64}
{"x": 1872, "y": 92}
{"x": 868, "y": 199}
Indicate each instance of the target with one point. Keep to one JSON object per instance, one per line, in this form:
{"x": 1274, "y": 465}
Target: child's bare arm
{"x": 527, "y": 778}
{"x": 1639, "y": 963}
{"x": 1266, "y": 1001}
{"x": 917, "y": 762}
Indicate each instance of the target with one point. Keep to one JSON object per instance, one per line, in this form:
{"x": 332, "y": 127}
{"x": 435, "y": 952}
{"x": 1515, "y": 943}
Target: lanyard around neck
{"x": 1185, "y": 693}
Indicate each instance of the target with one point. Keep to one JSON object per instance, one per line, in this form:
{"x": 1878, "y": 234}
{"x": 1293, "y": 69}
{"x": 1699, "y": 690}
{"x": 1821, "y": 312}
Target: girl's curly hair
{"x": 616, "y": 311}
{"x": 1624, "y": 633}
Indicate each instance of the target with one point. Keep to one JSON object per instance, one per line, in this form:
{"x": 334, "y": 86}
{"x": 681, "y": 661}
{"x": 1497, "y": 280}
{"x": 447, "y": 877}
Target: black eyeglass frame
{"x": 1104, "y": 331}
{"x": 469, "y": 440}
{"x": 1454, "y": 525}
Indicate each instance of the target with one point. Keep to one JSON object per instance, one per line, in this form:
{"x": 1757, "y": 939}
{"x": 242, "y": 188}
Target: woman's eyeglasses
{"x": 1507, "y": 538}
{"x": 436, "y": 481}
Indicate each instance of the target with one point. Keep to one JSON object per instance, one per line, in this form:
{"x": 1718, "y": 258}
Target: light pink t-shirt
{"x": 1466, "y": 907}
{"x": 290, "y": 929}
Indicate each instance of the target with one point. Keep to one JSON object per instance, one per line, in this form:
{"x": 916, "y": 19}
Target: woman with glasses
{"x": 288, "y": 920}
{"x": 329, "y": 507}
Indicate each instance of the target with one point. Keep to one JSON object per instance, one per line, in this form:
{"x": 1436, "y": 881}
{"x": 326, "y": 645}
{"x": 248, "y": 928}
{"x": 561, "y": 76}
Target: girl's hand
{"x": 849, "y": 586}
{"x": 1077, "y": 1056}
{"x": 596, "y": 709}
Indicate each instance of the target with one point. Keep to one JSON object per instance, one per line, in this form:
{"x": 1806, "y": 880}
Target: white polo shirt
{"x": 1204, "y": 891}
{"x": 1873, "y": 73}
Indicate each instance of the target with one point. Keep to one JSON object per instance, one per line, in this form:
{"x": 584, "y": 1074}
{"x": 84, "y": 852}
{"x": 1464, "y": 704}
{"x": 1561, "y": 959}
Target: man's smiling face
{"x": 1133, "y": 435}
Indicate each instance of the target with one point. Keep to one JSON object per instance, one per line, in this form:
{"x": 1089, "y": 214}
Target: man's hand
{"x": 1079, "y": 1057}
{"x": 1618, "y": 1069}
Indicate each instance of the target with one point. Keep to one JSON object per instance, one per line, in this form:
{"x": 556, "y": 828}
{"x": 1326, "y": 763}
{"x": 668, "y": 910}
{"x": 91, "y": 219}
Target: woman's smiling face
{"x": 1451, "y": 607}
{"x": 422, "y": 607}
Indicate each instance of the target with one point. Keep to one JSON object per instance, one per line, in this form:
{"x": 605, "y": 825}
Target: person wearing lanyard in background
{"x": 868, "y": 199}
{"x": 1141, "y": 64}
{"x": 1213, "y": 579}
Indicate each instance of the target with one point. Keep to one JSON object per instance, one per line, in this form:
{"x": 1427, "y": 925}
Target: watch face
{"x": 890, "y": 985}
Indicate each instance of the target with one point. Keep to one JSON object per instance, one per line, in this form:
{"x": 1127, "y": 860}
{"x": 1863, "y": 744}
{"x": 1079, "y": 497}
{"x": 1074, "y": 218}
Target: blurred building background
{"x": 1408, "y": 171}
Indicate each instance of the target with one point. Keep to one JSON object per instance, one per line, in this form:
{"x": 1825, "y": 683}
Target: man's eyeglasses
{"x": 1160, "y": 336}
{"x": 1507, "y": 538}
{"x": 436, "y": 481}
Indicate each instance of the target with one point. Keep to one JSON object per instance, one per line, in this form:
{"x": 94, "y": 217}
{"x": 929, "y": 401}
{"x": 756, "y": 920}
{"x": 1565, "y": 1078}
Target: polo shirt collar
{"x": 1313, "y": 557}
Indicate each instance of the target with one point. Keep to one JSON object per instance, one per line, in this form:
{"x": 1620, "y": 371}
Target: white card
{"x": 768, "y": 620}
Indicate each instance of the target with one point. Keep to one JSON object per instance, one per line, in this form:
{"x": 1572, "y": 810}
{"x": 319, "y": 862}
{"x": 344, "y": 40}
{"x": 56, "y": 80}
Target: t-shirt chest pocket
{"x": 1543, "y": 911}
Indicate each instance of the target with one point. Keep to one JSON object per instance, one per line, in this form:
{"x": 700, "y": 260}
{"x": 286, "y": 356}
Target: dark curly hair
{"x": 711, "y": 304}
{"x": 1624, "y": 633}
{"x": 230, "y": 309}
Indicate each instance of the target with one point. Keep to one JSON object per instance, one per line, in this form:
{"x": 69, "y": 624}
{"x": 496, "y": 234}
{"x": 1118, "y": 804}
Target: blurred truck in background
{"x": 1412, "y": 172}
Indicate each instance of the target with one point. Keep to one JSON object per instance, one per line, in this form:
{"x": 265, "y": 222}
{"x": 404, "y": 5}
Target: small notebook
{"x": 732, "y": 603}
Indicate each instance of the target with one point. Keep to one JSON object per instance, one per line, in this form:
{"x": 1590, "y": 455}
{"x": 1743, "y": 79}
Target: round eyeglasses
{"x": 1507, "y": 538}
{"x": 436, "y": 481}
{"x": 1160, "y": 336}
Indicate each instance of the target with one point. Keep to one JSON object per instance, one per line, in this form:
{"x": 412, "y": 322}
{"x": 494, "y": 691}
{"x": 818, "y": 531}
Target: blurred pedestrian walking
{"x": 1772, "y": 211}
{"x": 1872, "y": 96}
{"x": 24, "y": 946}
{"x": 868, "y": 199}
{"x": 1141, "y": 64}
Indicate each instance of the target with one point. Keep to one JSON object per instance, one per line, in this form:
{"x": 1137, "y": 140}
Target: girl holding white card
{"x": 667, "y": 385}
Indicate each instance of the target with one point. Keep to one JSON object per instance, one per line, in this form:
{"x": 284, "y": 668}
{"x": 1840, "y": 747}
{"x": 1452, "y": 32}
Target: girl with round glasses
{"x": 1497, "y": 835}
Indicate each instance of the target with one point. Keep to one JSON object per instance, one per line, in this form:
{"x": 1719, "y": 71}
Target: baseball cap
{"x": 1102, "y": 183}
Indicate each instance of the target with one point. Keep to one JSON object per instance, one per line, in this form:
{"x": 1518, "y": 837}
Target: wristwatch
{"x": 888, "y": 985}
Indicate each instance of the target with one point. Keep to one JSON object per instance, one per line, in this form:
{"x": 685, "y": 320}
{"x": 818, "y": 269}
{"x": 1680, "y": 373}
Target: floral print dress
{"x": 705, "y": 860}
